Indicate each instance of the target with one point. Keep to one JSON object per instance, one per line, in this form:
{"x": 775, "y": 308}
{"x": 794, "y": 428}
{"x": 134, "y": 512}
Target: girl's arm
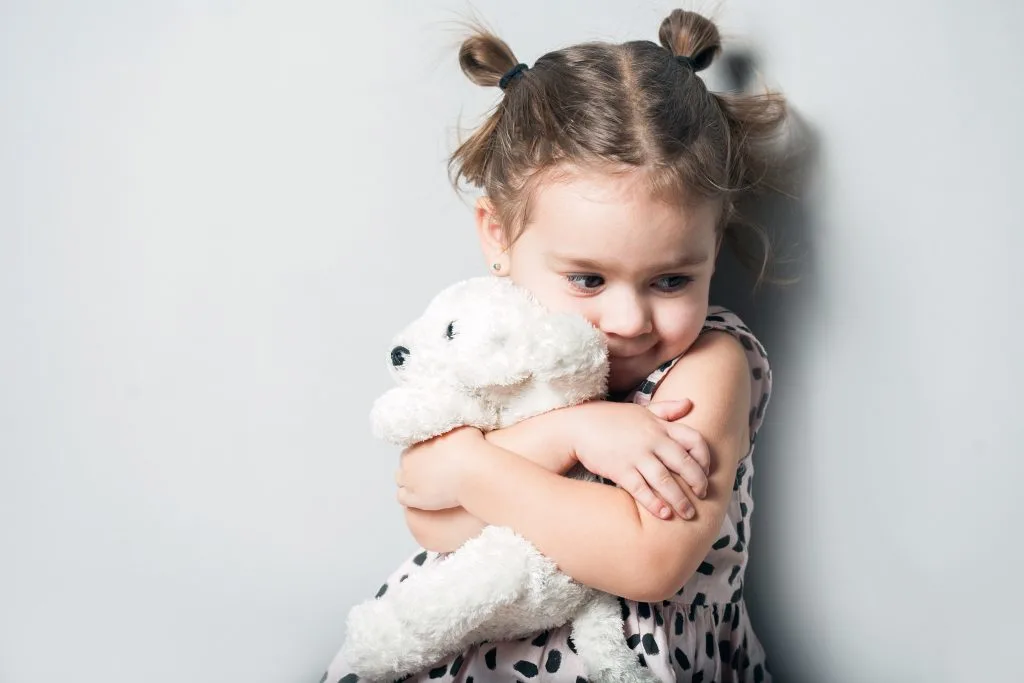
{"x": 598, "y": 534}
{"x": 541, "y": 439}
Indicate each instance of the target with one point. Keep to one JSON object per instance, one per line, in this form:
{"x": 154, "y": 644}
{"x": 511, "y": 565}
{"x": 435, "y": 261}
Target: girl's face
{"x": 637, "y": 268}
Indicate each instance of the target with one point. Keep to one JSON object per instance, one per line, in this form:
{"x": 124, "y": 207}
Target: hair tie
{"x": 510, "y": 74}
{"x": 687, "y": 61}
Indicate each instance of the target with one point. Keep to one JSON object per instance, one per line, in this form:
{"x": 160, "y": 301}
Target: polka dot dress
{"x": 701, "y": 634}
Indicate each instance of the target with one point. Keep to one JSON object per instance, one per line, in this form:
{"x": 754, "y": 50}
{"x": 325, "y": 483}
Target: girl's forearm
{"x": 542, "y": 440}
{"x": 585, "y": 527}
{"x": 442, "y": 530}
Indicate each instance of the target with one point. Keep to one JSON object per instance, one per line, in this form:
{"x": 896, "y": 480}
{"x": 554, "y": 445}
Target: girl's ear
{"x": 492, "y": 237}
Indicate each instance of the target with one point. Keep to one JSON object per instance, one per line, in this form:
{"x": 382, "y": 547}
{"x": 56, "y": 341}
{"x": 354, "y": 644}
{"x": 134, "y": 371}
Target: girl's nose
{"x": 625, "y": 316}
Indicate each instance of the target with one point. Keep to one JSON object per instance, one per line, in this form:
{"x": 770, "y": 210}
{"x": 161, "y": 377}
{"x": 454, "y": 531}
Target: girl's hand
{"x": 641, "y": 448}
{"x": 428, "y": 476}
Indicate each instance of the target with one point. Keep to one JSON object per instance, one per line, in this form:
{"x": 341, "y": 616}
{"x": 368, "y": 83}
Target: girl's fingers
{"x": 676, "y": 459}
{"x": 636, "y": 486}
{"x": 666, "y": 487}
{"x": 671, "y": 410}
{"x": 691, "y": 440}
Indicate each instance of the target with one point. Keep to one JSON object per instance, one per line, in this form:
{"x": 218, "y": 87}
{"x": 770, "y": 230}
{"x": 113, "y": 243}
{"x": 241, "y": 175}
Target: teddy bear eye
{"x": 450, "y": 332}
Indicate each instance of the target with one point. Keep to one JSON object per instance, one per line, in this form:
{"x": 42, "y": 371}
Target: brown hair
{"x": 621, "y": 106}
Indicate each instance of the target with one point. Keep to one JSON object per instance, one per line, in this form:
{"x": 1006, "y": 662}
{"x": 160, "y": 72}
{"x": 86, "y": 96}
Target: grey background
{"x": 213, "y": 215}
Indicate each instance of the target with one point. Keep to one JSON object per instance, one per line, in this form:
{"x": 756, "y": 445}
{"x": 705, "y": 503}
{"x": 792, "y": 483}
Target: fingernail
{"x": 688, "y": 513}
{"x": 665, "y": 513}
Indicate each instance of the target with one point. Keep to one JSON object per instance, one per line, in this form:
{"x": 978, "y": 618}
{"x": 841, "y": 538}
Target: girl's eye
{"x": 585, "y": 282}
{"x": 673, "y": 283}
{"x": 450, "y": 332}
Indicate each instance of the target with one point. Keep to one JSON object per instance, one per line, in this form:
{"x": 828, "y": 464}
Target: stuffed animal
{"x": 486, "y": 354}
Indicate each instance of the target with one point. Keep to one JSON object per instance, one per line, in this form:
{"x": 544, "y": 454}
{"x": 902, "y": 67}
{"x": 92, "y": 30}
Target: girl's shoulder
{"x": 721, "y": 319}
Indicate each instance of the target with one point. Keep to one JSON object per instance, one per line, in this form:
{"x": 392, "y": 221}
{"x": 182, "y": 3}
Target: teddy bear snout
{"x": 398, "y": 355}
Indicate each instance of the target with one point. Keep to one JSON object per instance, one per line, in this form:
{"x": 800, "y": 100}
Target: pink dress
{"x": 701, "y": 634}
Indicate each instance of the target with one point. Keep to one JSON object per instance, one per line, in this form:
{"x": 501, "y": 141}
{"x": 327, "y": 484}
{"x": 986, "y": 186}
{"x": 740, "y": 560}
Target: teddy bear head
{"x": 486, "y": 353}
{"x": 487, "y": 331}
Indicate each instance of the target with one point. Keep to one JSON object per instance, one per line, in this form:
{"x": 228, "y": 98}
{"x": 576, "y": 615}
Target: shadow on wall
{"x": 774, "y": 312}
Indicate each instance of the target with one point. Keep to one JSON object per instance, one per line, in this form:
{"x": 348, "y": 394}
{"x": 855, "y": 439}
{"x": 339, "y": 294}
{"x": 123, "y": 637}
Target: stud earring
{"x": 496, "y": 266}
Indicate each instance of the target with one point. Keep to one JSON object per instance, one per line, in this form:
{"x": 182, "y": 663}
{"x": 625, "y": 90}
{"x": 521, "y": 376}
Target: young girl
{"x": 610, "y": 177}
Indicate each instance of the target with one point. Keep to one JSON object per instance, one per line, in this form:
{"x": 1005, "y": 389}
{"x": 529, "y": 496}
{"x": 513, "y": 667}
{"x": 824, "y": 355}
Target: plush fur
{"x": 486, "y": 354}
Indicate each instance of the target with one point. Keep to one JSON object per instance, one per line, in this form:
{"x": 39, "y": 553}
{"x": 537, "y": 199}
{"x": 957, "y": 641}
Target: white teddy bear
{"x": 485, "y": 353}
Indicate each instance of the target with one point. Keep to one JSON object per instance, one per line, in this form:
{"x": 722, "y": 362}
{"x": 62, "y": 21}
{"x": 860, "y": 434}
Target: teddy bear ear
{"x": 498, "y": 362}
{"x": 565, "y": 344}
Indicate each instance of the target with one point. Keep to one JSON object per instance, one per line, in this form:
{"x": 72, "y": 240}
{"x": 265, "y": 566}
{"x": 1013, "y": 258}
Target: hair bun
{"x": 485, "y": 58}
{"x": 690, "y": 35}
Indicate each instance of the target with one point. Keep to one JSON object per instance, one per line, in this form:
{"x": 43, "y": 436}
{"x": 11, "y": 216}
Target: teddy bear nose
{"x": 398, "y": 355}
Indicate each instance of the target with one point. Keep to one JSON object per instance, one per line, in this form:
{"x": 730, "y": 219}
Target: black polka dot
{"x": 735, "y": 661}
{"x": 709, "y": 645}
{"x": 733, "y": 573}
{"x": 571, "y": 644}
{"x": 528, "y": 669}
{"x": 684, "y": 661}
{"x": 722, "y": 542}
{"x": 715, "y": 319}
{"x": 758, "y": 673}
{"x": 644, "y": 610}
{"x": 658, "y": 619}
{"x": 736, "y": 619}
{"x": 724, "y": 651}
{"x": 323, "y": 678}
{"x": 382, "y": 590}
{"x": 743, "y": 509}
{"x": 698, "y": 677}
{"x": 554, "y": 661}
{"x": 404, "y": 577}
{"x": 643, "y": 662}
{"x": 633, "y": 641}
{"x": 756, "y": 372}
{"x": 581, "y": 679}
{"x": 700, "y": 599}
{"x": 727, "y": 612}
{"x": 439, "y": 672}
{"x": 746, "y": 342}
{"x": 761, "y": 406}
{"x": 737, "y": 595}
{"x": 420, "y": 559}
{"x": 740, "y": 471}
{"x": 625, "y": 609}
{"x": 650, "y": 644}
{"x": 456, "y": 665}
{"x": 745, "y": 664}
{"x": 541, "y": 640}
{"x": 741, "y": 531}
{"x": 491, "y": 658}
{"x": 469, "y": 679}
{"x": 706, "y": 568}
{"x": 349, "y": 678}
{"x": 679, "y": 623}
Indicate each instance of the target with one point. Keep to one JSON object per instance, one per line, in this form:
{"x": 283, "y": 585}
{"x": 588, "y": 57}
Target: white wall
{"x": 213, "y": 215}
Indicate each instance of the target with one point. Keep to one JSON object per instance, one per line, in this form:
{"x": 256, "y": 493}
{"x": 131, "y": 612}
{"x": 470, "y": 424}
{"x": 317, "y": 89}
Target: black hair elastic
{"x": 687, "y": 61}
{"x": 512, "y": 73}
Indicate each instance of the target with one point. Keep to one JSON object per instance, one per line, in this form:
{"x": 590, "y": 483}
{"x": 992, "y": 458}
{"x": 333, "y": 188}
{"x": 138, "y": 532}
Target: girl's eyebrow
{"x": 684, "y": 261}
